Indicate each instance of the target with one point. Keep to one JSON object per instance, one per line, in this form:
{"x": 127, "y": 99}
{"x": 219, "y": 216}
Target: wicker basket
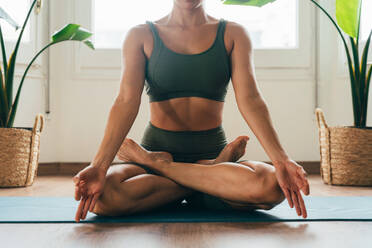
{"x": 19, "y": 154}
{"x": 345, "y": 153}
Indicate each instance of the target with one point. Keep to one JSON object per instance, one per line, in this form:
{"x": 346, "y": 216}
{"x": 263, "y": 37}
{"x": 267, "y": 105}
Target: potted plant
{"x": 345, "y": 151}
{"x": 19, "y": 146}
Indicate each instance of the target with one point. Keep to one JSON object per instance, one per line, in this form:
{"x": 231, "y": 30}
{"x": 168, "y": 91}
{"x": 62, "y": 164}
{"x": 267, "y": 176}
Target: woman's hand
{"x": 292, "y": 178}
{"x": 89, "y": 184}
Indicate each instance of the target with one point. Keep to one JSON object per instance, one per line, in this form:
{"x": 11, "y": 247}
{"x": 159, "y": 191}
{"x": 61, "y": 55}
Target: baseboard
{"x": 70, "y": 169}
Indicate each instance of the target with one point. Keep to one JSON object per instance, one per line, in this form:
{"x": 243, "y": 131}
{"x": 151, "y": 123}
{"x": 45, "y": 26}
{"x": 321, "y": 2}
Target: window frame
{"x": 291, "y": 63}
{"x": 27, "y": 51}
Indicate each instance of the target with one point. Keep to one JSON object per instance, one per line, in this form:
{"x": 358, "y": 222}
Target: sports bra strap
{"x": 157, "y": 40}
{"x": 221, "y": 31}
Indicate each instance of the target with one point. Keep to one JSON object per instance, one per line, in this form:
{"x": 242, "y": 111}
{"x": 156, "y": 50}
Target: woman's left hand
{"x": 292, "y": 178}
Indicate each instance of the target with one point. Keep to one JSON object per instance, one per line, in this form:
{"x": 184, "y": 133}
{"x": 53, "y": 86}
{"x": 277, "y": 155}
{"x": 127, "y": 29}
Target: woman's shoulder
{"x": 236, "y": 31}
{"x": 138, "y": 33}
{"x": 235, "y": 28}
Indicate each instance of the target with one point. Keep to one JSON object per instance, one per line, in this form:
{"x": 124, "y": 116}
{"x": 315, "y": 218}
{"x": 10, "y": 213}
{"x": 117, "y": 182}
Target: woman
{"x": 187, "y": 59}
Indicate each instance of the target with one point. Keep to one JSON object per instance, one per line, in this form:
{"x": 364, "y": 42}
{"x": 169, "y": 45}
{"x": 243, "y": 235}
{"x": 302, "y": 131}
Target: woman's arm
{"x": 249, "y": 99}
{"x": 89, "y": 182}
{"x": 291, "y": 176}
{"x": 125, "y": 108}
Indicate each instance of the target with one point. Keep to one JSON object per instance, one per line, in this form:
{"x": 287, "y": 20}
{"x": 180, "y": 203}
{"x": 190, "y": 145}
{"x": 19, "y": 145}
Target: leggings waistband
{"x": 188, "y": 132}
{"x": 185, "y": 145}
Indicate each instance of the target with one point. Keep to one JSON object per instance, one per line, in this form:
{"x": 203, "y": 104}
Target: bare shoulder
{"x": 137, "y": 35}
{"x": 238, "y": 34}
{"x": 235, "y": 29}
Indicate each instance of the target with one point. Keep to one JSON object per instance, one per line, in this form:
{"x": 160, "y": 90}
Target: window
{"x": 272, "y": 26}
{"x": 366, "y": 20}
{"x": 17, "y": 10}
{"x": 282, "y": 34}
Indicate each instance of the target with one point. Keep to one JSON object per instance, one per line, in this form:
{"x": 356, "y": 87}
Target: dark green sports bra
{"x": 171, "y": 75}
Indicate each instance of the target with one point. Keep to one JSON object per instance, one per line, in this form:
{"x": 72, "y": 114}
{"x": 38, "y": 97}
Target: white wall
{"x": 80, "y": 107}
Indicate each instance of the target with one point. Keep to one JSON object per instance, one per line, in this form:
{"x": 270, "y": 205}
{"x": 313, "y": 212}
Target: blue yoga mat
{"x": 62, "y": 210}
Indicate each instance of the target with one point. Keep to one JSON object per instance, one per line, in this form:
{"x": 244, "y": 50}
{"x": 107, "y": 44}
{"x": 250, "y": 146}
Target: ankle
{"x": 153, "y": 161}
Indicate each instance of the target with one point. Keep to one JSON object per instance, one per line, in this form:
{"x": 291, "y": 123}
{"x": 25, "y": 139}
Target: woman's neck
{"x": 187, "y": 17}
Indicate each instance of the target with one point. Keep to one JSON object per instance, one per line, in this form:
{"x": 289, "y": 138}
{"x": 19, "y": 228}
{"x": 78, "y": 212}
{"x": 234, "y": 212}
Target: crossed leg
{"x": 129, "y": 189}
{"x": 245, "y": 185}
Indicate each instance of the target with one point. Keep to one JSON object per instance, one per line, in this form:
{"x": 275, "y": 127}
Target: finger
{"x": 304, "y": 182}
{"x": 295, "y": 200}
{"x": 80, "y": 209}
{"x": 288, "y": 196}
{"x": 83, "y": 189}
{"x": 302, "y": 204}
{"x": 81, "y": 182}
{"x": 306, "y": 188}
{"x": 93, "y": 203}
{"x": 76, "y": 179}
{"x": 86, "y": 207}
{"x": 77, "y": 193}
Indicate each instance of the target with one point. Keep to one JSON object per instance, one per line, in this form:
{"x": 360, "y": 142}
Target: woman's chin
{"x": 189, "y": 4}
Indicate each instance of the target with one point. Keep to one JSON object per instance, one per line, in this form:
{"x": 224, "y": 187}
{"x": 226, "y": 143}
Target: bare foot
{"x": 130, "y": 151}
{"x": 233, "y": 151}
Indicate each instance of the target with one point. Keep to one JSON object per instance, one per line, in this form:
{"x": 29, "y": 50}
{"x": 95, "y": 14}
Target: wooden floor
{"x": 284, "y": 234}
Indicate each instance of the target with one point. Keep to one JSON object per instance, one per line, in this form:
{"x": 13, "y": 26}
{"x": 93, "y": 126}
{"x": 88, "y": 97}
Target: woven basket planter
{"x": 345, "y": 153}
{"x": 19, "y": 154}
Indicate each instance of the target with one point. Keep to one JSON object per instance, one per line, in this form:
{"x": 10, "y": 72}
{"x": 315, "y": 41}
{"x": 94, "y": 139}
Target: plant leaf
{"x": 358, "y": 84}
{"x": 363, "y": 62}
{"x": 368, "y": 81}
{"x": 73, "y": 32}
{"x": 6, "y": 17}
{"x": 368, "y": 78}
{"x": 348, "y": 16}
{"x": 9, "y": 77}
{"x": 81, "y": 34}
{"x": 355, "y": 51}
{"x": 364, "y": 84}
{"x": 89, "y": 44}
{"x": 3, "y": 101}
{"x": 65, "y": 33}
{"x": 257, "y": 3}
{"x": 3, "y": 51}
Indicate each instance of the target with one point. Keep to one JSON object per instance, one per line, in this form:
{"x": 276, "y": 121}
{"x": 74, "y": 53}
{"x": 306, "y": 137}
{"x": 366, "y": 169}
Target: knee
{"x": 102, "y": 208}
{"x": 115, "y": 176}
{"x": 268, "y": 193}
{"x": 116, "y": 173}
{"x": 272, "y": 193}
{"x": 112, "y": 201}
{"x": 108, "y": 206}
{"x": 112, "y": 180}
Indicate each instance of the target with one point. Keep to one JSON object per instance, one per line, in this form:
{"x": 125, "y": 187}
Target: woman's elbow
{"x": 251, "y": 101}
{"x": 128, "y": 99}
{"x": 132, "y": 103}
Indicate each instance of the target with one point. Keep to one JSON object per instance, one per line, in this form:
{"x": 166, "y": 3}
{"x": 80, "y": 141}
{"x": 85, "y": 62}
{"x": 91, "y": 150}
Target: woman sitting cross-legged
{"x": 186, "y": 60}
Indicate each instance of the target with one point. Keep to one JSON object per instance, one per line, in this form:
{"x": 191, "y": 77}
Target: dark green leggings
{"x": 189, "y": 147}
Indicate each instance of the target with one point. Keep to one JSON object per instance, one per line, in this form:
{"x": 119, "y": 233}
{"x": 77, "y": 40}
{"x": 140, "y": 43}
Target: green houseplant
{"x": 19, "y": 147}
{"x": 349, "y": 160}
{"x": 348, "y": 20}
{"x": 8, "y": 108}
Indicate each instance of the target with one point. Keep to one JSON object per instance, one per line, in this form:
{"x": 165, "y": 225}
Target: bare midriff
{"x": 186, "y": 114}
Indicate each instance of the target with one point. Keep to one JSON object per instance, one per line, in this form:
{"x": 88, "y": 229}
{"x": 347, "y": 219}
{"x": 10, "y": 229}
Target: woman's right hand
{"x": 89, "y": 184}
